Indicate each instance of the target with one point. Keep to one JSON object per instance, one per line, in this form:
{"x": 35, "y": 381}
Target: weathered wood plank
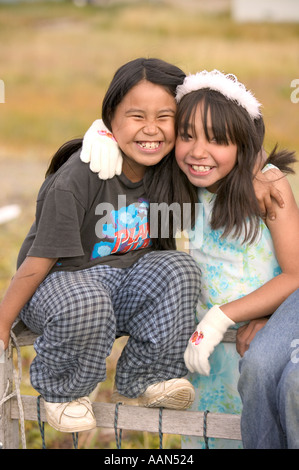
{"x": 133, "y": 418}
{"x": 230, "y": 336}
{"x": 219, "y": 425}
{"x": 9, "y": 428}
{"x": 24, "y": 336}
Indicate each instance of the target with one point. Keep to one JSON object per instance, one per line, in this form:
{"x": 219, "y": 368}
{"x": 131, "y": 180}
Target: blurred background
{"x": 56, "y": 61}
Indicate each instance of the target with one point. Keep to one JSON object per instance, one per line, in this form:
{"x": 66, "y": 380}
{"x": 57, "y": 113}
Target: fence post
{"x": 9, "y": 428}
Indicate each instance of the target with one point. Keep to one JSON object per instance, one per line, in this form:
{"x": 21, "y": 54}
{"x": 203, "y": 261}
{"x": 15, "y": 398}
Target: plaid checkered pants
{"x": 78, "y": 314}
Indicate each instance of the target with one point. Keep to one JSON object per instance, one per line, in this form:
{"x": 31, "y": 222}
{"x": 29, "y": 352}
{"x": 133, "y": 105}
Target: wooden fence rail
{"x": 131, "y": 418}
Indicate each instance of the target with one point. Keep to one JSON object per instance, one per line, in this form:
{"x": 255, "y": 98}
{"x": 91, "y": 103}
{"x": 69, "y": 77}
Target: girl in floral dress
{"x": 249, "y": 265}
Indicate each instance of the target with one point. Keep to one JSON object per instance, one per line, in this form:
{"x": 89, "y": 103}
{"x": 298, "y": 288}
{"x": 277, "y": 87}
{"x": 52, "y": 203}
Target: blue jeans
{"x": 269, "y": 382}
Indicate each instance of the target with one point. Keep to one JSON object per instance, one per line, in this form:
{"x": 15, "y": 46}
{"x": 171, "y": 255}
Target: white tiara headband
{"x": 228, "y": 85}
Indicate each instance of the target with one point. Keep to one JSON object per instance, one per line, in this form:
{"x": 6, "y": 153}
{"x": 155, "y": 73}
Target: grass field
{"x": 56, "y": 62}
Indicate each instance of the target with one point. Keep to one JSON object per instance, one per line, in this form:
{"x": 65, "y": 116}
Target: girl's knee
{"x": 182, "y": 266}
{"x": 93, "y": 305}
{"x": 82, "y": 304}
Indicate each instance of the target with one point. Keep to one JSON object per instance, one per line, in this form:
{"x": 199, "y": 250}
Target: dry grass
{"x": 58, "y": 59}
{"x": 56, "y": 62}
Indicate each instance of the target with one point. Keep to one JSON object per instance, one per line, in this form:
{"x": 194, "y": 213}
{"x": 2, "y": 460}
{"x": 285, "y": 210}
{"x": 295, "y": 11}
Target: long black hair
{"x": 236, "y": 208}
{"x": 158, "y": 180}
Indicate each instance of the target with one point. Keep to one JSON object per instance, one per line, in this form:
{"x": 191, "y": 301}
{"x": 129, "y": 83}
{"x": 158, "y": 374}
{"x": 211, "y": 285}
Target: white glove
{"x": 100, "y": 149}
{"x": 208, "y": 335}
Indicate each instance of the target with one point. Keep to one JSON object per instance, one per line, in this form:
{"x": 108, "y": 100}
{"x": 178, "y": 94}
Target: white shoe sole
{"x": 176, "y": 398}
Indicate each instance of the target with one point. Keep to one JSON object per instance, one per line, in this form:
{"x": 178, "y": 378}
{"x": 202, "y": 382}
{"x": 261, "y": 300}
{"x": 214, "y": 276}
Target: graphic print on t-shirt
{"x": 123, "y": 230}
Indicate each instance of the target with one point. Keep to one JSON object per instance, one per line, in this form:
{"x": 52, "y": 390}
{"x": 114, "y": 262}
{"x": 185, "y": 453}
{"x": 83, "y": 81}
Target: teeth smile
{"x": 201, "y": 167}
{"x": 149, "y": 145}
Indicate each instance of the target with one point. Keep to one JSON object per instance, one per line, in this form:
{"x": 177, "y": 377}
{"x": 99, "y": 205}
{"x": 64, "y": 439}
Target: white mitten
{"x": 100, "y": 149}
{"x": 208, "y": 335}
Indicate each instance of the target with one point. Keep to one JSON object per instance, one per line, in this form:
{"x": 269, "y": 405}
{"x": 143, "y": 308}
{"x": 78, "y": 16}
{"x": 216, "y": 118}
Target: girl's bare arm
{"x": 23, "y": 285}
{"x": 285, "y": 233}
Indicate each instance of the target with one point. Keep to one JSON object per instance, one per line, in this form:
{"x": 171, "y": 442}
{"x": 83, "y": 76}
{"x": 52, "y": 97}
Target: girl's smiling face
{"x": 143, "y": 126}
{"x": 203, "y": 160}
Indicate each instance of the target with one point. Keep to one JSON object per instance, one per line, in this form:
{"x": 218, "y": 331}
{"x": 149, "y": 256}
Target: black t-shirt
{"x": 84, "y": 221}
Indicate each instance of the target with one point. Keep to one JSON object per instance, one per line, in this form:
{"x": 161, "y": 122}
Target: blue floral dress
{"x": 230, "y": 270}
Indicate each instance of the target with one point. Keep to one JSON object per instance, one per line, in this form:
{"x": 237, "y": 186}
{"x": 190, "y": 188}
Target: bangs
{"x": 219, "y": 117}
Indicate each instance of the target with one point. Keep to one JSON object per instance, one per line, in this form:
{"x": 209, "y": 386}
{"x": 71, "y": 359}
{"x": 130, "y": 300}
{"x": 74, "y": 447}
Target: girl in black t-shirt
{"x": 79, "y": 312}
